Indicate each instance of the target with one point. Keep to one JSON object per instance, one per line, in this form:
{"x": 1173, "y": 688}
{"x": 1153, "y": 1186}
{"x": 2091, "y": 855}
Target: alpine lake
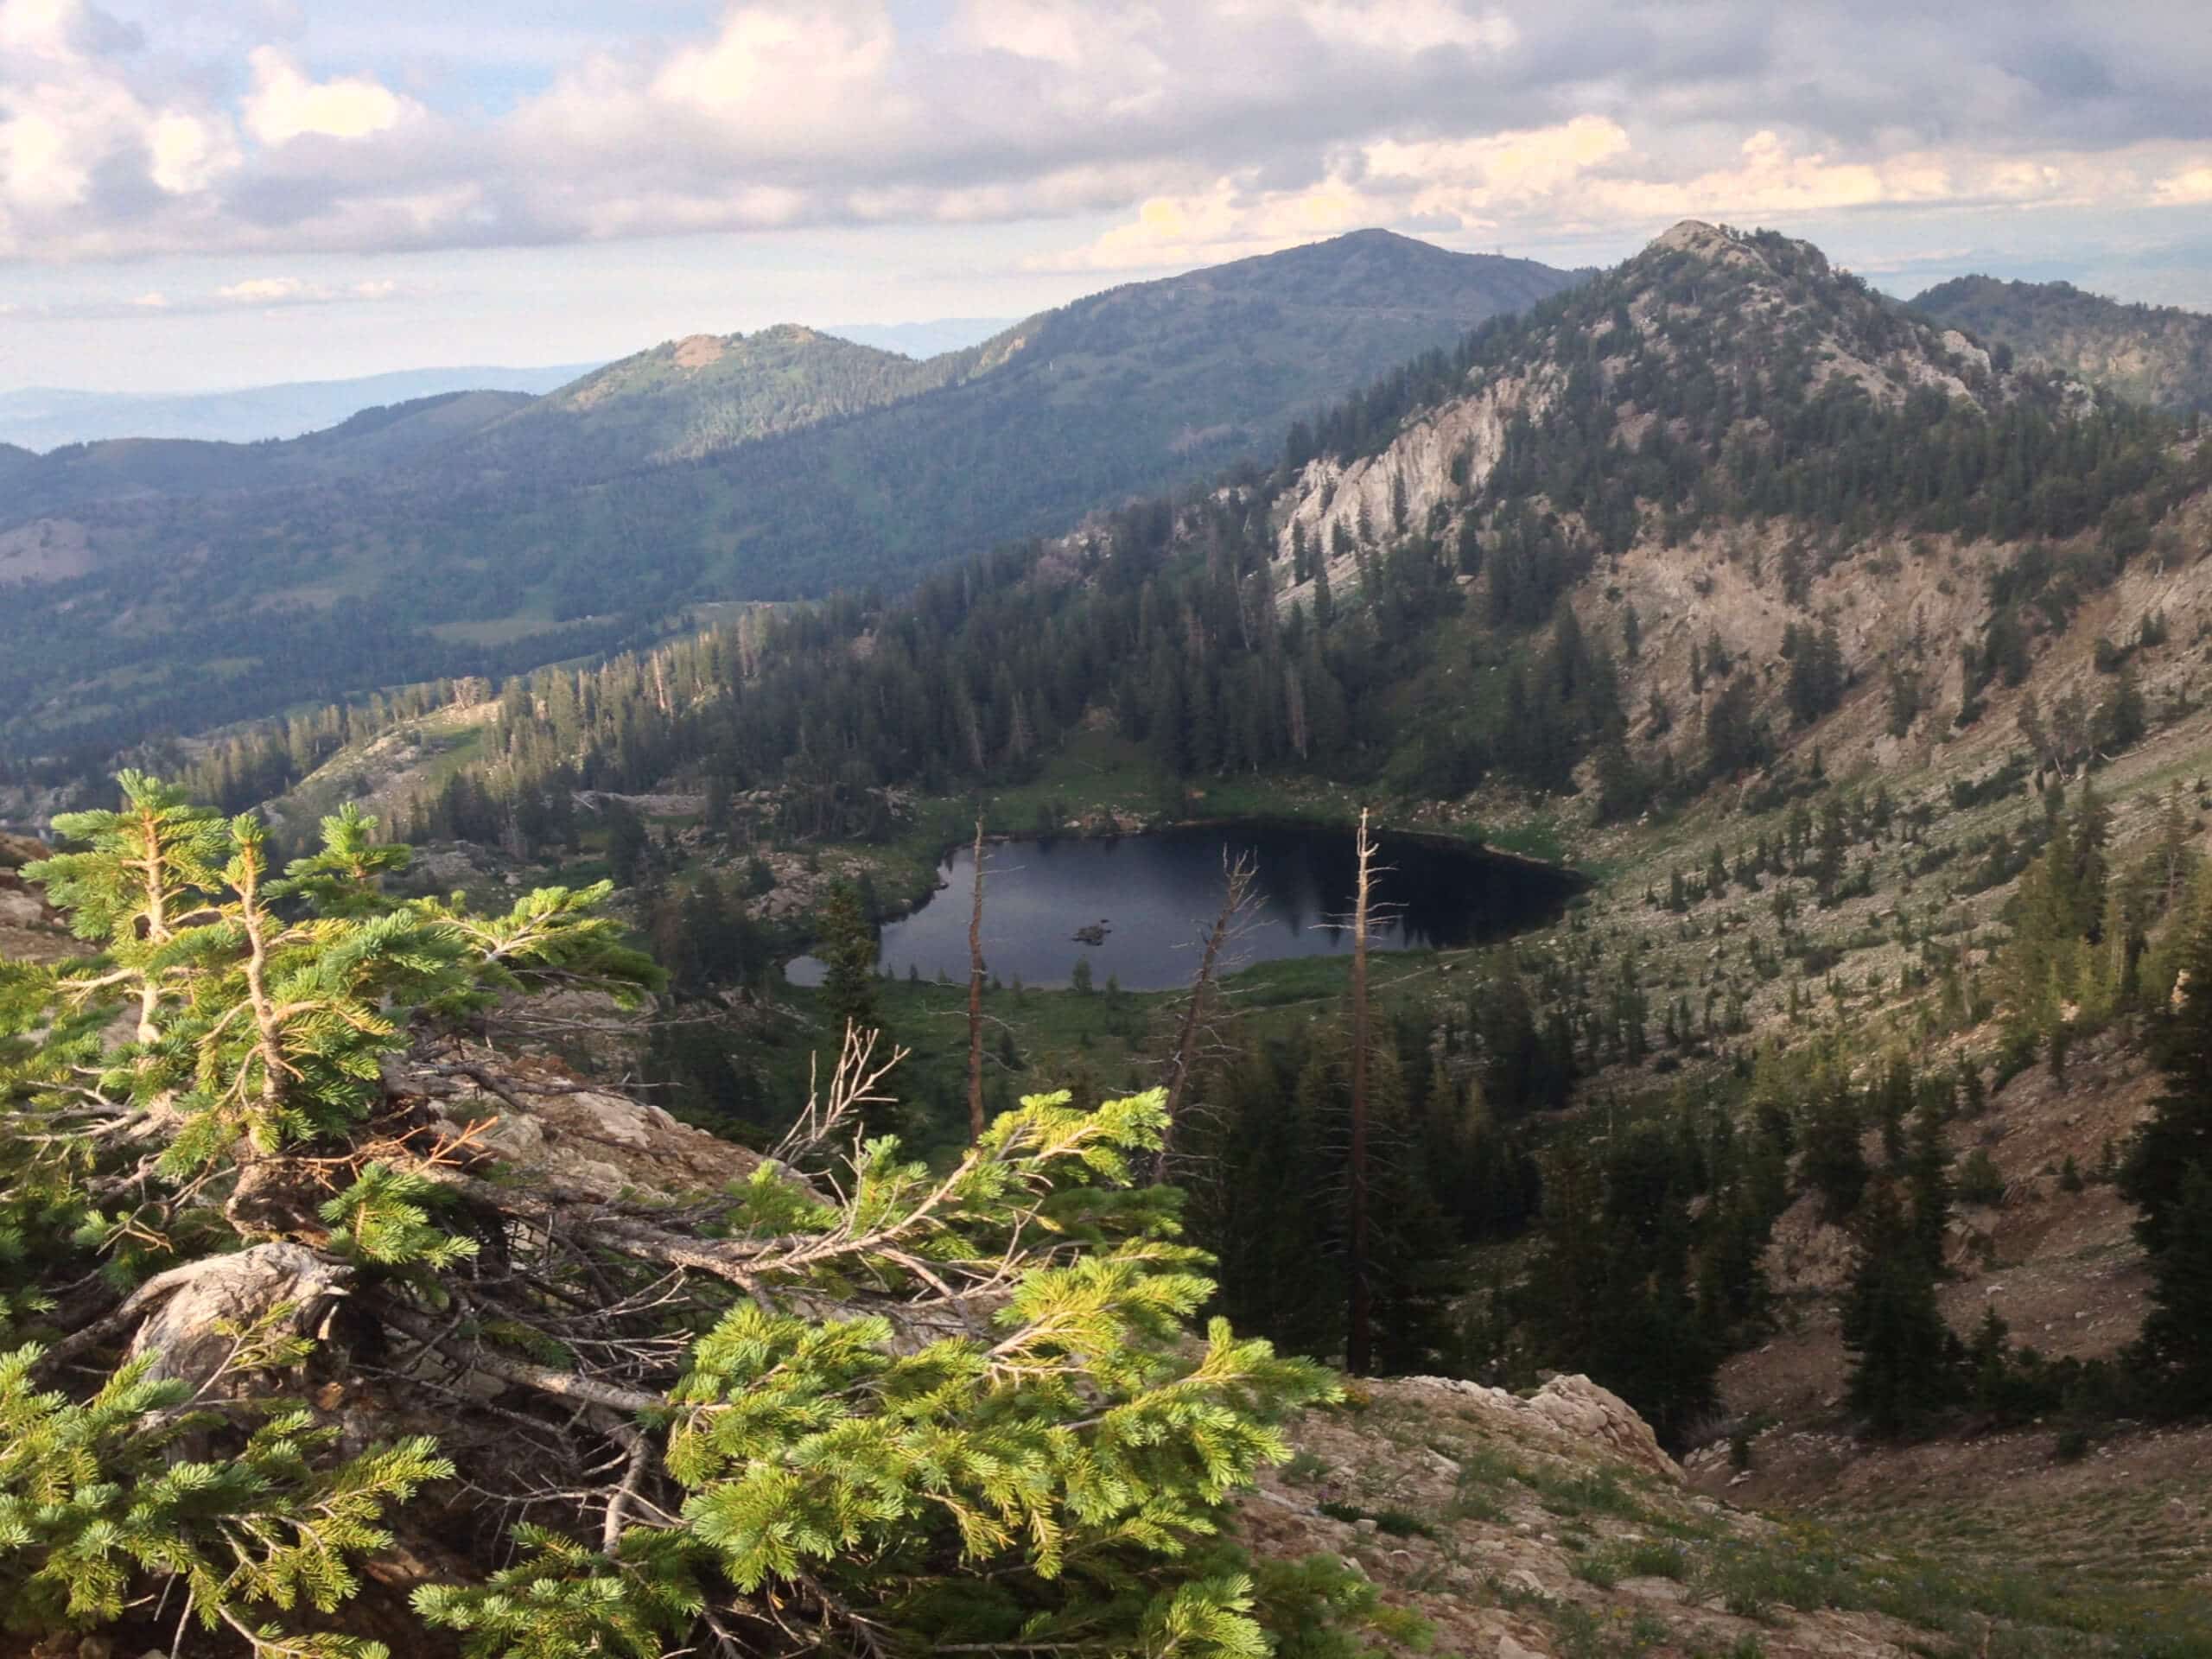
{"x": 1137, "y": 908}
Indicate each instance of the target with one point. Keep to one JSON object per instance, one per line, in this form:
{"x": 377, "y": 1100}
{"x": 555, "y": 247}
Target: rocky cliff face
{"x": 1707, "y": 302}
{"x": 1735, "y": 314}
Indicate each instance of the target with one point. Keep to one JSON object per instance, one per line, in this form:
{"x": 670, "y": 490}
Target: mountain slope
{"x": 677, "y": 401}
{"x": 2160, "y": 355}
{"x": 1708, "y": 352}
{"x": 815, "y": 463}
{"x": 43, "y": 418}
{"x": 1649, "y": 538}
{"x": 1125, "y": 393}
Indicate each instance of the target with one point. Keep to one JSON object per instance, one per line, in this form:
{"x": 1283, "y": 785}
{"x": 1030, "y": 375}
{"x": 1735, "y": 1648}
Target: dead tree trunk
{"x": 1238, "y": 893}
{"x": 1359, "y": 1344}
{"x": 976, "y": 998}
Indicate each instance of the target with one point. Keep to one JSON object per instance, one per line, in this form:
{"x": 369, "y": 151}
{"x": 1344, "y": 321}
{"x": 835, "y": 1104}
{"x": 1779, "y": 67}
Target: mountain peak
{"x": 697, "y": 351}
{"x": 1691, "y": 236}
{"x": 1755, "y": 255}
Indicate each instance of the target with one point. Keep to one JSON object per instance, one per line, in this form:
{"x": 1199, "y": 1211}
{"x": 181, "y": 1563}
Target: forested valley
{"x": 1276, "y": 627}
{"x": 1352, "y": 892}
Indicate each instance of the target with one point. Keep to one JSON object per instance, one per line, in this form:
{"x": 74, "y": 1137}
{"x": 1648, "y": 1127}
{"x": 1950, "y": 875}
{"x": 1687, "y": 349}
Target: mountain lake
{"x": 1136, "y": 907}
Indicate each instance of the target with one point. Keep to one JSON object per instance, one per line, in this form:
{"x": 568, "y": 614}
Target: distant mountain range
{"x": 39, "y": 418}
{"x": 164, "y": 585}
{"x": 2159, "y": 355}
{"x": 43, "y": 418}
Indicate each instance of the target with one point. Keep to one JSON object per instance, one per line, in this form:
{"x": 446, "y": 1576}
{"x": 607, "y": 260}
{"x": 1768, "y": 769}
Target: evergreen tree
{"x": 2178, "y": 1137}
{"x": 1834, "y": 1164}
{"x": 1735, "y": 739}
{"x": 1609, "y": 1292}
{"x": 1816, "y": 674}
{"x": 626, "y": 843}
{"x": 1904, "y": 1359}
{"x": 1928, "y": 1178}
{"x": 2177, "y": 1333}
{"x": 981, "y": 1374}
{"x": 2122, "y": 719}
{"x": 847, "y": 947}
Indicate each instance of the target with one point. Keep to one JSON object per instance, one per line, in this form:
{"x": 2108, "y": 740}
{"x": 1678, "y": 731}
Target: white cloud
{"x": 189, "y": 154}
{"x": 2187, "y": 186}
{"x": 291, "y": 290}
{"x": 70, "y": 117}
{"x": 38, "y": 27}
{"x": 1407, "y": 25}
{"x": 1204, "y": 127}
{"x": 263, "y": 291}
{"x": 285, "y": 105}
{"x": 770, "y": 63}
{"x": 1467, "y": 177}
{"x": 1047, "y": 31}
{"x": 1589, "y": 173}
{"x": 1224, "y": 222}
{"x": 153, "y": 300}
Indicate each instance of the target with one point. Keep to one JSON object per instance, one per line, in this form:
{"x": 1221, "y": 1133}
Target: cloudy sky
{"x": 203, "y": 192}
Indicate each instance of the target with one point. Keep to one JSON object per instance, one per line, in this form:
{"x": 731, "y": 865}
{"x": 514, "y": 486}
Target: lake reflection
{"x": 1154, "y": 894}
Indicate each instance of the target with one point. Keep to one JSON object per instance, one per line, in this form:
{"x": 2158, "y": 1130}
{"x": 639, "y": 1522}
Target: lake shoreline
{"x": 1127, "y": 917}
{"x": 1434, "y": 840}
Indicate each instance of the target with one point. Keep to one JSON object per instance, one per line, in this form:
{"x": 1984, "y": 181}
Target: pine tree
{"x": 1834, "y": 1164}
{"x": 979, "y": 1373}
{"x": 1929, "y": 1177}
{"x": 1904, "y": 1359}
{"x": 2177, "y": 1334}
{"x": 2122, "y": 718}
{"x": 133, "y": 888}
{"x": 2178, "y": 1136}
{"x": 847, "y": 947}
{"x": 265, "y": 1004}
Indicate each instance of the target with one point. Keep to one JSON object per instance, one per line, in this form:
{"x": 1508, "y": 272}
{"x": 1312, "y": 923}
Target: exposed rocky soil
{"x": 2062, "y": 1269}
{"x": 1554, "y": 1526}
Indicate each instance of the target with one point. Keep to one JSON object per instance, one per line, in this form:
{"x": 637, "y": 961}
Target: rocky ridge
{"x": 1767, "y": 289}
{"x": 2154, "y": 354}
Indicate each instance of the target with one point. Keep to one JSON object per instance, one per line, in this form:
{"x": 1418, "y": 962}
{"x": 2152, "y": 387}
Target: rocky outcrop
{"x": 30, "y": 929}
{"x": 536, "y": 1117}
{"x": 1431, "y": 465}
{"x": 1581, "y": 1410}
{"x": 15, "y": 851}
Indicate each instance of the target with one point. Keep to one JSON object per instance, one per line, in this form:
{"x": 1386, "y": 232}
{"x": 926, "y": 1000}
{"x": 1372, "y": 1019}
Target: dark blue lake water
{"x": 1154, "y": 895}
